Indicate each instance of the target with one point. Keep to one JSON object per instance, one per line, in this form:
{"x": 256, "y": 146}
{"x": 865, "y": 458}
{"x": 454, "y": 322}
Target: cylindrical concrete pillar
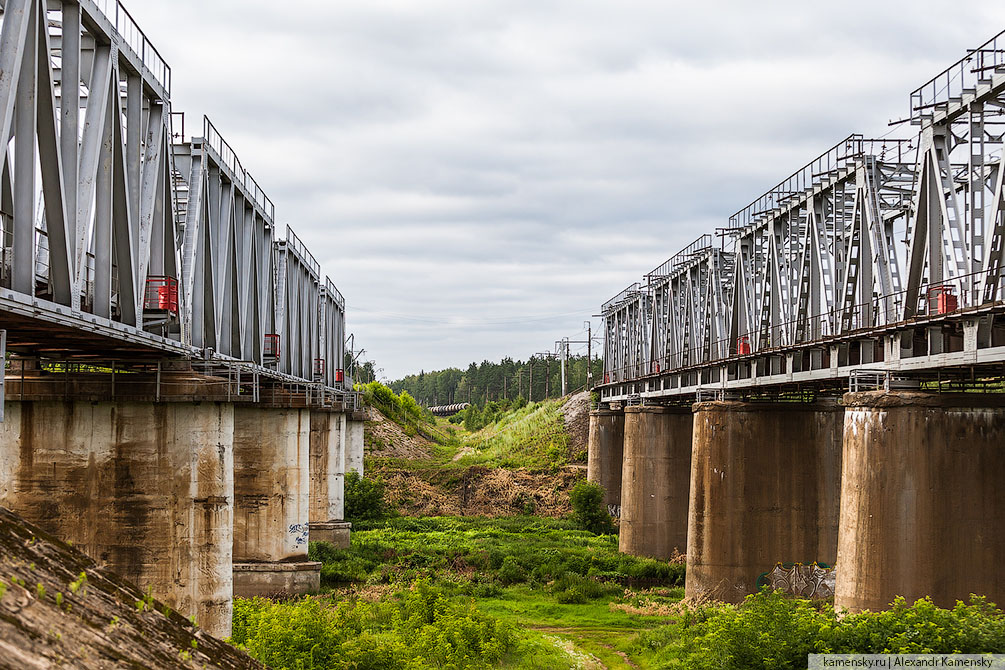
{"x": 327, "y": 473}
{"x": 606, "y": 452}
{"x": 146, "y": 488}
{"x": 272, "y": 502}
{"x": 654, "y": 481}
{"x": 922, "y": 508}
{"x": 765, "y": 479}
{"x": 354, "y": 443}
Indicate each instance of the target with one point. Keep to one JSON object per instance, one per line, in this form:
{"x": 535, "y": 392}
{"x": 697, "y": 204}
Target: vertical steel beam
{"x": 24, "y": 164}
{"x": 69, "y": 121}
{"x": 13, "y": 37}
{"x": 51, "y": 169}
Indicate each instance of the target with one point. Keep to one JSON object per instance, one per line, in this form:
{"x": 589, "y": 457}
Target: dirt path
{"x": 580, "y": 638}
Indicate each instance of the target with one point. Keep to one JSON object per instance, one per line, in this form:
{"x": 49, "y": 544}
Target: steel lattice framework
{"x": 877, "y": 255}
{"x": 118, "y": 237}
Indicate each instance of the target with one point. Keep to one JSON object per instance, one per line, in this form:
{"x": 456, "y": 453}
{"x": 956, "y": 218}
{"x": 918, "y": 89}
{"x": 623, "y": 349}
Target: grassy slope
{"x": 532, "y": 437}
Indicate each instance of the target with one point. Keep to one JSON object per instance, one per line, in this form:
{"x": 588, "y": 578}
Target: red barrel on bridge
{"x": 942, "y": 300}
{"x": 271, "y": 349}
{"x": 161, "y": 294}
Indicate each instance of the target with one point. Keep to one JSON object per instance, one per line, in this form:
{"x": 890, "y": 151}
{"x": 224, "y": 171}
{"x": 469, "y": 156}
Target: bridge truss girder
{"x": 117, "y": 235}
{"x": 85, "y": 188}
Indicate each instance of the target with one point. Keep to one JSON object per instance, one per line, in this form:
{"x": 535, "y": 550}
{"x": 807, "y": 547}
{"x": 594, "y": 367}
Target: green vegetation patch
{"x": 771, "y": 630}
{"x": 531, "y": 436}
{"x": 483, "y": 555}
{"x": 417, "y": 628}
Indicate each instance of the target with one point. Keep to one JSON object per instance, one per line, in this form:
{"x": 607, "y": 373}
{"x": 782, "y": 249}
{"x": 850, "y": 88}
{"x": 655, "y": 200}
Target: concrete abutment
{"x": 765, "y": 483}
{"x": 922, "y": 507}
{"x": 146, "y": 488}
{"x": 606, "y": 453}
{"x": 654, "y": 481}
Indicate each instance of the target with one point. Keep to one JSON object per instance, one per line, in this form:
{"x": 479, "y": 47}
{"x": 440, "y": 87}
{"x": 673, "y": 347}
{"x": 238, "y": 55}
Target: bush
{"x": 575, "y": 589}
{"x": 511, "y": 572}
{"x": 364, "y": 498}
{"x": 588, "y": 507}
{"x": 420, "y": 628}
{"x": 772, "y": 630}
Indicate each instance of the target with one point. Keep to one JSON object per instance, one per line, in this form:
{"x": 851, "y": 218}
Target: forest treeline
{"x": 534, "y": 379}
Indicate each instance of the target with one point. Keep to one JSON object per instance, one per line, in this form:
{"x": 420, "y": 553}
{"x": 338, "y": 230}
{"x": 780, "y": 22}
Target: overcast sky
{"x": 478, "y": 176}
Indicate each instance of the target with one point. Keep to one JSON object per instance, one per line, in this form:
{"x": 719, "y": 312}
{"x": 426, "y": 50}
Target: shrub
{"x": 772, "y": 630}
{"x": 576, "y": 589}
{"x": 364, "y": 498}
{"x": 588, "y": 507}
{"x": 420, "y": 628}
{"x": 511, "y": 572}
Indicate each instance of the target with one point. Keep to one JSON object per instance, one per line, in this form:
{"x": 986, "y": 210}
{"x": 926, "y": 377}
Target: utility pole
{"x": 530, "y": 385}
{"x": 547, "y": 372}
{"x": 547, "y": 377}
{"x": 563, "y": 346}
{"x": 563, "y": 351}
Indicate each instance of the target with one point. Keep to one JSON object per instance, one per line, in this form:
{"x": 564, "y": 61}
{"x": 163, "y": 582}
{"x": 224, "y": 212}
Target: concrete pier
{"x": 327, "y": 473}
{"x": 145, "y": 488}
{"x": 272, "y": 502}
{"x": 606, "y": 452}
{"x": 354, "y": 442}
{"x": 765, "y": 481}
{"x": 655, "y": 480}
{"x": 922, "y": 507}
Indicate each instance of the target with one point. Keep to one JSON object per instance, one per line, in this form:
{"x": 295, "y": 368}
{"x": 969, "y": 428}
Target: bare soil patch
{"x": 479, "y": 491}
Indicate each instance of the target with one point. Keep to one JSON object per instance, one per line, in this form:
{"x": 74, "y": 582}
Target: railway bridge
{"x": 177, "y": 398}
{"x": 821, "y": 378}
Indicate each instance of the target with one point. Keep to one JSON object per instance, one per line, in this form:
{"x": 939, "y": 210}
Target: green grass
{"x": 544, "y": 577}
{"x": 487, "y": 552}
{"x": 532, "y": 437}
{"x": 593, "y": 627}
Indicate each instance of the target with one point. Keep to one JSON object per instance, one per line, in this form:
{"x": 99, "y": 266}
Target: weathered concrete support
{"x": 354, "y": 442}
{"x": 765, "y": 480}
{"x": 654, "y": 481}
{"x": 922, "y": 507}
{"x": 606, "y": 452}
{"x": 272, "y": 502}
{"x": 146, "y": 488}
{"x": 327, "y": 472}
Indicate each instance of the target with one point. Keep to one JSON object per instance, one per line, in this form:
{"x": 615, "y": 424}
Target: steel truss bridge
{"x": 125, "y": 242}
{"x": 880, "y": 259}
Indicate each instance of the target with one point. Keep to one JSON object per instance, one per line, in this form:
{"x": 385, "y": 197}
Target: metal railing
{"x": 962, "y": 76}
{"x": 229, "y": 157}
{"x": 626, "y": 295}
{"x": 827, "y": 165}
{"x": 682, "y": 257}
{"x": 131, "y": 34}
{"x": 883, "y": 311}
{"x": 306, "y": 257}
{"x": 868, "y": 380}
{"x": 333, "y": 291}
{"x": 152, "y": 380}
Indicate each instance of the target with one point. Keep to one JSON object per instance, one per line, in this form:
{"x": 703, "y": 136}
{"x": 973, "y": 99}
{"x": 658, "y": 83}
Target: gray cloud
{"x": 463, "y": 170}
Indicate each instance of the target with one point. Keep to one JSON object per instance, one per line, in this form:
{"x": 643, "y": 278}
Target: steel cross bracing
{"x": 118, "y": 235}
{"x": 878, "y": 254}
